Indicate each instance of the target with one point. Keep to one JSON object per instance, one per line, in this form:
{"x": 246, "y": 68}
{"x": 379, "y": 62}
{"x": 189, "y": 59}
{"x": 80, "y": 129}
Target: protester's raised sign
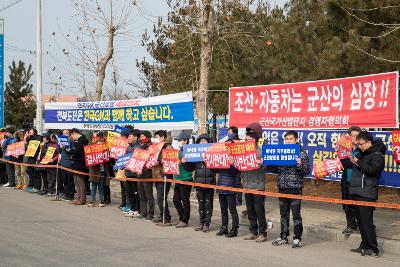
{"x": 122, "y": 161}
{"x": 195, "y": 152}
{"x": 281, "y": 155}
{"x": 137, "y": 161}
{"x": 118, "y": 147}
{"x": 244, "y": 155}
{"x": 16, "y": 149}
{"x": 170, "y": 161}
{"x": 326, "y": 167}
{"x": 32, "y": 148}
{"x": 96, "y": 154}
{"x": 217, "y": 157}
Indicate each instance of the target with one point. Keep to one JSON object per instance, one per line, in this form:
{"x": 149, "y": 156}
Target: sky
{"x": 58, "y": 21}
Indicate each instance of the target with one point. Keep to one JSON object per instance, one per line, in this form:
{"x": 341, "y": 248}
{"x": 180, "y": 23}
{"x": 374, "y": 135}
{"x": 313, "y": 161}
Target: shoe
{"x": 6, "y": 185}
{"x": 261, "y": 238}
{"x": 50, "y": 195}
{"x": 347, "y": 231}
{"x": 121, "y": 206}
{"x": 296, "y": 243}
{"x": 102, "y": 205}
{"x": 78, "y": 203}
{"x": 222, "y": 231}
{"x": 28, "y": 189}
{"x": 141, "y": 217}
{"x": 167, "y": 223}
{"x": 149, "y": 218}
{"x": 251, "y": 236}
{"x": 136, "y": 214}
{"x": 280, "y": 241}
{"x": 206, "y": 228}
{"x": 176, "y": 223}
{"x": 42, "y": 193}
{"x": 130, "y": 214}
{"x": 68, "y": 199}
{"x": 35, "y": 191}
{"x": 24, "y": 187}
{"x": 157, "y": 220}
{"x": 181, "y": 225}
{"x": 92, "y": 204}
{"x": 369, "y": 253}
{"x": 19, "y": 187}
{"x": 126, "y": 211}
{"x": 232, "y": 233}
{"x": 199, "y": 227}
{"x": 107, "y": 202}
{"x": 358, "y": 250}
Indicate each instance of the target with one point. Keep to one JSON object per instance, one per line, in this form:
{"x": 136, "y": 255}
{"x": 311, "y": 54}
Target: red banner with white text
{"x": 369, "y": 101}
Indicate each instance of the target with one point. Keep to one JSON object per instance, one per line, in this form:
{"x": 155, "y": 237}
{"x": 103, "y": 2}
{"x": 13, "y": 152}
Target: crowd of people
{"x": 360, "y": 182}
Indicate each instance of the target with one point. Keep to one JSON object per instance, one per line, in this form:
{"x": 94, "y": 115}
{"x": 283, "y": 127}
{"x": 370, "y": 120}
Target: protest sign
{"x": 119, "y": 129}
{"x": 217, "y": 157}
{"x": 118, "y": 147}
{"x": 281, "y": 155}
{"x": 396, "y": 145}
{"x": 120, "y": 174}
{"x": 244, "y": 155}
{"x": 137, "y": 161}
{"x": 16, "y": 149}
{"x": 154, "y": 150}
{"x": 343, "y": 154}
{"x": 170, "y": 161}
{"x": 122, "y": 161}
{"x": 32, "y": 148}
{"x": 195, "y": 152}
{"x": 96, "y": 154}
{"x": 63, "y": 141}
{"x": 49, "y": 155}
{"x": 2, "y": 135}
{"x": 345, "y": 143}
{"x": 326, "y": 167}
{"x": 110, "y": 137}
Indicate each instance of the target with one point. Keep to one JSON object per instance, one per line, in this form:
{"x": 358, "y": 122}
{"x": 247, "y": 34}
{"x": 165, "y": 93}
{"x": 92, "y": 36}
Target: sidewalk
{"x": 320, "y": 220}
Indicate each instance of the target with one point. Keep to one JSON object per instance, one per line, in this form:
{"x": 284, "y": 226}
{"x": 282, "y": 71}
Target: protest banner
{"x": 110, "y": 137}
{"x": 195, "y": 152}
{"x": 326, "y": 167}
{"x": 118, "y": 147}
{"x": 281, "y": 155}
{"x": 119, "y": 129}
{"x": 32, "y": 148}
{"x": 345, "y": 143}
{"x": 49, "y": 155}
{"x": 120, "y": 174}
{"x": 2, "y": 135}
{"x": 168, "y": 112}
{"x": 170, "y": 161}
{"x": 16, "y": 149}
{"x": 217, "y": 157}
{"x": 63, "y": 141}
{"x": 96, "y": 154}
{"x": 343, "y": 154}
{"x": 369, "y": 101}
{"x": 396, "y": 145}
{"x": 154, "y": 150}
{"x": 244, "y": 155}
{"x": 137, "y": 161}
{"x": 122, "y": 161}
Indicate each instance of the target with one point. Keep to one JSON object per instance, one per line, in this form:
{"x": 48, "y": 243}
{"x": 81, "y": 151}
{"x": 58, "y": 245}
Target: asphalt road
{"x": 35, "y": 231}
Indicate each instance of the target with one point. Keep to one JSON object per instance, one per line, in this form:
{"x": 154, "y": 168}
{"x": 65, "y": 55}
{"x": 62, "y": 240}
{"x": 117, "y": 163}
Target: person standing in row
{"x": 67, "y": 177}
{"x": 10, "y": 168}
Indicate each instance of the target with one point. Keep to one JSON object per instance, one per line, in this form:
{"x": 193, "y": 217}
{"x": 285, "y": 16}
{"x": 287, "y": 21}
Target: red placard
{"x": 170, "y": 161}
{"x": 16, "y": 149}
{"x": 345, "y": 142}
{"x": 326, "y": 167}
{"x": 118, "y": 147}
{"x": 217, "y": 157}
{"x": 367, "y": 101}
{"x": 96, "y": 154}
{"x": 244, "y": 155}
{"x": 154, "y": 150}
{"x": 343, "y": 154}
{"x": 396, "y": 145}
{"x": 137, "y": 161}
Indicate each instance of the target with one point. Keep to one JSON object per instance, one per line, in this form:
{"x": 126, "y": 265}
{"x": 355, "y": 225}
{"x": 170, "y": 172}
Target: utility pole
{"x": 39, "y": 111}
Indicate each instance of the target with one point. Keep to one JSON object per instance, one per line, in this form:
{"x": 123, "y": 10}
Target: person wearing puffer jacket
{"x": 205, "y": 196}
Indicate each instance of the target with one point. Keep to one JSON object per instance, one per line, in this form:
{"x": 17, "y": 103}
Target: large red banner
{"x": 367, "y": 101}
{"x": 96, "y": 154}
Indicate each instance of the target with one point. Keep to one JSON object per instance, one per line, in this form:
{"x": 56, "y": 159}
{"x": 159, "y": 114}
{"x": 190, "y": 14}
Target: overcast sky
{"x": 20, "y": 37}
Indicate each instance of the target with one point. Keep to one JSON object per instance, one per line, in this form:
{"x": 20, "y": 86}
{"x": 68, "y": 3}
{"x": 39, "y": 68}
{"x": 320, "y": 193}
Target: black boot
{"x": 233, "y": 232}
{"x": 223, "y": 231}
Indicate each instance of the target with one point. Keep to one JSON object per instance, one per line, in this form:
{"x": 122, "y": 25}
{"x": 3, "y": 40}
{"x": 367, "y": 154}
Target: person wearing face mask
{"x": 145, "y": 189}
{"x": 182, "y": 192}
{"x": 233, "y": 133}
{"x": 291, "y": 181}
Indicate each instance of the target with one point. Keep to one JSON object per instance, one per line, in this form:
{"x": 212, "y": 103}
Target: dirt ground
{"x": 331, "y": 189}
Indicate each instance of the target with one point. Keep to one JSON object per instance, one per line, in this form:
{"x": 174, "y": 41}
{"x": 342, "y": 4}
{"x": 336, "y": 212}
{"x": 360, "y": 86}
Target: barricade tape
{"x": 218, "y": 187}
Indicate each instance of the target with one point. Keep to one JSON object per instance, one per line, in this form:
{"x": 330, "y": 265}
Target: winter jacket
{"x": 66, "y": 160}
{"x": 6, "y": 143}
{"x": 78, "y": 154}
{"x": 202, "y": 174}
{"x": 184, "y": 175}
{"x": 292, "y": 177}
{"x": 254, "y": 179}
{"x": 32, "y": 160}
{"x": 43, "y": 152}
{"x": 228, "y": 178}
{"x": 367, "y": 172}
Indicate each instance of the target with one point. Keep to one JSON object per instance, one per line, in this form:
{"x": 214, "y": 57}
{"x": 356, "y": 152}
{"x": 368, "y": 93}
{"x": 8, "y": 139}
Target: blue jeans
{"x": 99, "y": 185}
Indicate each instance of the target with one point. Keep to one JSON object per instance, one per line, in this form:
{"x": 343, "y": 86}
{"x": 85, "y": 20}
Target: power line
{"x": 10, "y": 5}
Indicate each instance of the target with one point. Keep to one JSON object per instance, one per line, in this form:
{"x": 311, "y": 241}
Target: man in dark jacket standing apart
{"x": 78, "y": 164}
{"x": 364, "y": 187}
{"x": 291, "y": 181}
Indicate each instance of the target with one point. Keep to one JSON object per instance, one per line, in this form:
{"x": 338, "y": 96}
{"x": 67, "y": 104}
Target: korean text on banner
{"x": 326, "y": 167}
{"x": 122, "y": 161}
{"x": 137, "y": 161}
{"x": 369, "y": 101}
{"x": 110, "y": 137}
{"x": 195, "y": 152}
{"x": 396, "y": 145}
{"x": 244, "y": 155}
{"x": 168, "y": 112}
{"x": 32, "y": 148}
{"x": 96, "y": 154}
{"x": 345, "y": 143}
{"x": 118, "y": 147}
{"x": 16, "y": 149}
{"x": 217, "y": 157}
{"x": 119, "y": 129}
{"x": 63, "y": 141}
{"x": 281, "y": 155}
{"x": 154, "y": 150}
{"x": 48, "y": 158}
{"x": 170, "y": 161}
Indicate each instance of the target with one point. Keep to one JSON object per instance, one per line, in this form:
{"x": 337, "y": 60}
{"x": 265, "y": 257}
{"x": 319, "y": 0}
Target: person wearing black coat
{"x": 364, "y": 187}
{"x": 35, "y": 180}
{"x": 78, "y": 164}
{"x": 205, "y": 196}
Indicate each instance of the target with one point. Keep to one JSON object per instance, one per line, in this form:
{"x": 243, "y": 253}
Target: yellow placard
{"x": 32, "y": 148}
{"x": 49, "y": 155}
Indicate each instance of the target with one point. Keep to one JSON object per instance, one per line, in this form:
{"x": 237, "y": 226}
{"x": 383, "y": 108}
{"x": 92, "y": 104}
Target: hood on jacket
{"x": 203, "y": 136}
{"x": 378, "y": 146}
